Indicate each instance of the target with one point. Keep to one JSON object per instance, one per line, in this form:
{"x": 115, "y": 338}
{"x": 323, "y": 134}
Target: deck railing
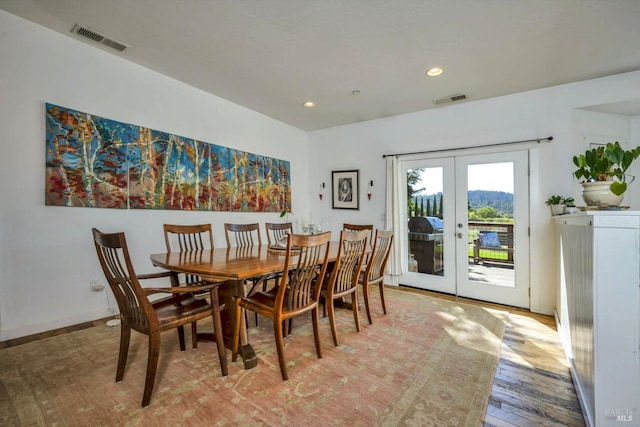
{"x": 505, "y": 233}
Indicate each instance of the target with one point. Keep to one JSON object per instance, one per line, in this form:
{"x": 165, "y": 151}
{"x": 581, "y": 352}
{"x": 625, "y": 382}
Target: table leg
{"x": 229, "y": 292}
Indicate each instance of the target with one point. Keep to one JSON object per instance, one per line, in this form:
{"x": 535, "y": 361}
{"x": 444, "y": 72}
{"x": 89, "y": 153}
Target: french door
{"x": 467, "y": 226}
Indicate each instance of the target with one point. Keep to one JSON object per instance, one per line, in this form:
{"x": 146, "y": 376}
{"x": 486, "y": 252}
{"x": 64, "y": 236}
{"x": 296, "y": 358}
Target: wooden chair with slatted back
{"x": 151, "y": 318}
{"x": 306, "y": 260}
{"x": 358, "y": 227}
{"x": 344, "y": 276}
{"x": 276, "y": 231}
{"x": 242, "y": 234}
{"x": 188, "y": 238}
{"x": 374, "y": 271}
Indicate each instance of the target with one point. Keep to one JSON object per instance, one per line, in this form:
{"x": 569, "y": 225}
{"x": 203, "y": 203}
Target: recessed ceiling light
{"x": 433, "y": 72}
{"x": 309, "y": 104}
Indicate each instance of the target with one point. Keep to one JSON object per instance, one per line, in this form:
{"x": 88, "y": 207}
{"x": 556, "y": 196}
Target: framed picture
{"x": 345, "y": 190}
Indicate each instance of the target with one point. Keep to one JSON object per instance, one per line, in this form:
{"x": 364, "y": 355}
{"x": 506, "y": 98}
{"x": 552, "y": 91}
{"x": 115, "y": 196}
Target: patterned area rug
{"x": 427, "y": 362}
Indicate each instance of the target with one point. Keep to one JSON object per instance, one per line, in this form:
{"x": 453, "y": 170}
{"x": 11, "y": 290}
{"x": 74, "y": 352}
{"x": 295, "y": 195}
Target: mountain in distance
{"x": 501, "y": 201}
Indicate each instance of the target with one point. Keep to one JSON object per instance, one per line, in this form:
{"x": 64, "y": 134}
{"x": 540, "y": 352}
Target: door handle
{"x": 459, "y": 235}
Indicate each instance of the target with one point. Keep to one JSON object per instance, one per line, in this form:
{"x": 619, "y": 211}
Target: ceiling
{"x": 273, "y": 55}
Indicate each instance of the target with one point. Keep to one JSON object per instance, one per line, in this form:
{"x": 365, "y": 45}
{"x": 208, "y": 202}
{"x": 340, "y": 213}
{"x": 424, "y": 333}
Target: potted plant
{"x": 603, "y": 173}
{"x": 556, "y": 204}
{"x": 570, "y": 205}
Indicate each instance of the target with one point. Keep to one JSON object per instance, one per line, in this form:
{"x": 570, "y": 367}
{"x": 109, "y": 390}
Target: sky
{"x": 489, "y": 176}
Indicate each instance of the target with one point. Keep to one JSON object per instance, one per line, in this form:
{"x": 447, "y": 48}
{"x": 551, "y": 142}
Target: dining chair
{"x": 148, "y": 317}
{"x": 374, "y": 271}
{"x": 242, "y": 234}
{"x": 188, "y": 238}
{"x": 276, "y": 231}
{"x": 343, "y": 279}
{"x": 358, "y": 227}
{"x": 306, "y": 260}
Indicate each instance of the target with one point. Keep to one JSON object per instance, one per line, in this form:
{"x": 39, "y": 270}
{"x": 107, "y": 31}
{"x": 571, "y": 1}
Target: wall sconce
{"x": 369, "y": 190}
{"x": 321, "y": 191}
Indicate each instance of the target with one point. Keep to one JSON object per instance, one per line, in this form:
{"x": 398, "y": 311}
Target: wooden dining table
{"x": 233, "y": 265}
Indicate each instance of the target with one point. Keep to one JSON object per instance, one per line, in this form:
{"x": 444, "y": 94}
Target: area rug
{"x": 429, "y": 361}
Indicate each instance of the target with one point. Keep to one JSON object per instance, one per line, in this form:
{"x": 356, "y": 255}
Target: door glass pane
{"x": 490, "y": 202}
{"x": 425, "y": 225}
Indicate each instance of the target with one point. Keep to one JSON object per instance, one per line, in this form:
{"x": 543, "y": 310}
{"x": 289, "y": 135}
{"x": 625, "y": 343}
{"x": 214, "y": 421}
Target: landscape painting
{"x": 96, "y": 162}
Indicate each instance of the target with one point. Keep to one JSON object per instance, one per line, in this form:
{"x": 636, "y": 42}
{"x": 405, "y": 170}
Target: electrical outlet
{"x": 95, "y": 285}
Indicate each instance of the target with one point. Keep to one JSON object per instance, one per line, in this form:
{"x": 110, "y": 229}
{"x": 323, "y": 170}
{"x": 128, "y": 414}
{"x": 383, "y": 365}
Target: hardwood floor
{"x": 532, "y": 385}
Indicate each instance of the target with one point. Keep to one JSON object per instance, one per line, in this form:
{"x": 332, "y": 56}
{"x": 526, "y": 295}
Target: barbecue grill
{"x": 426, "y": 243}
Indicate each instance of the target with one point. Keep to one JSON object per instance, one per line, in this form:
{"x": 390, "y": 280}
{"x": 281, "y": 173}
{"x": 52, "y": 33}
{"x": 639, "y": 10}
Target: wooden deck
{"x": 495, "y": 274}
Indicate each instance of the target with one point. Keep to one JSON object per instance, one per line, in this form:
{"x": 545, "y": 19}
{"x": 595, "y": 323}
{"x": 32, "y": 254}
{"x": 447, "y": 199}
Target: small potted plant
{"x": 556, "y": 204}
{"x": 570, "y": 205}
{"x": 603, "y": 173}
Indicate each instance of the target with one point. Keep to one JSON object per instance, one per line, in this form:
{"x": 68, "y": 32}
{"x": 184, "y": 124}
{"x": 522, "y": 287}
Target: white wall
{"x": 592, "y": 127}
{"x": 534, "y": 114}
{"x": 46, "y": 253}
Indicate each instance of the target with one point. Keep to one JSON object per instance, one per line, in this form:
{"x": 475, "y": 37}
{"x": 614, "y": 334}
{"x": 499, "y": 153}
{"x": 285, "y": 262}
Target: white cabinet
{"x": 599, "y": 312}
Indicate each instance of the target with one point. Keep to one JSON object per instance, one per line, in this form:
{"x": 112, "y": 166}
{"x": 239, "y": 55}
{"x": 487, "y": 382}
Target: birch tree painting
{"x": 97, "y": 162}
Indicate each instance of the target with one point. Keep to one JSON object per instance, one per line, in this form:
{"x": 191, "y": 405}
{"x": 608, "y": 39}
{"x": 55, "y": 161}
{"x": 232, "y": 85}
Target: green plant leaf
{"x": 618, "y": 188}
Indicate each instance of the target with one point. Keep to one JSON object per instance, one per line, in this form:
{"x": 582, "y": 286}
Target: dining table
{"x": 233, "y": 266}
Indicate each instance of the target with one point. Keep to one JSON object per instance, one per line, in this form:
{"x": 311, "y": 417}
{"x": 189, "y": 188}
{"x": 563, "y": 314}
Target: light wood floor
{"x": 532, "y": 385}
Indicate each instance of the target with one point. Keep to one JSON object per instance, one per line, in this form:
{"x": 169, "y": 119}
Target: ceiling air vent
{"x": 86, "y": 33}
{"x": 451, "y": 98}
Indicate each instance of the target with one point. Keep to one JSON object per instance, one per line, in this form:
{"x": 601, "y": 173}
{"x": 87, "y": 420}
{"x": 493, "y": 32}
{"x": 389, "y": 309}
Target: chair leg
{"x": 277, "y": 330}
{"x": 315, "y": 313}
{"x": 181, "y": 337}
{"x": 365, "y": 293}
{"x": 354, "y": 308}
{"x": 236, "y": 331}
{"x": 332, "y": 320}
{"x": 194, "y": 335}
{"x": 217, "y": 329}
{"x": 323, "y": 300}
{"x": 125, "y": 335}
{"x": 152, "y": 366}
{"x": 384, "y": 307}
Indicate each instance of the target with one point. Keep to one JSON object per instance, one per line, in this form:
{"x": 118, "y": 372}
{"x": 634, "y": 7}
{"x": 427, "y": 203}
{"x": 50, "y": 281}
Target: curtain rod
{"x": 538, "y": 140}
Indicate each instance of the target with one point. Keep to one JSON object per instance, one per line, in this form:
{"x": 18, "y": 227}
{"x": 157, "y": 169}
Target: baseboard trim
{"x": 50, "y": 325}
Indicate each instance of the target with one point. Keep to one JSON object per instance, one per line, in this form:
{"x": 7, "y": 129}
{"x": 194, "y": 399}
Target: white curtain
{"x": 393, "y": 215}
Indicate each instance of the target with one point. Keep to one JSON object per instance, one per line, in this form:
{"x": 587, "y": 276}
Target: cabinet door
{"x": 616, "y": 273}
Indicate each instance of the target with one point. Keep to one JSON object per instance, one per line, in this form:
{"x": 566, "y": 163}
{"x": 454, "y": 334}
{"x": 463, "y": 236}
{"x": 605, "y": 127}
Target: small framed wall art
{"x": 345, "y": 189}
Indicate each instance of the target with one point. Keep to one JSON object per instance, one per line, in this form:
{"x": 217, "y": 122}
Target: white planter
{"x": 599, "y": 194}
{"x": 557, "y": 209}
